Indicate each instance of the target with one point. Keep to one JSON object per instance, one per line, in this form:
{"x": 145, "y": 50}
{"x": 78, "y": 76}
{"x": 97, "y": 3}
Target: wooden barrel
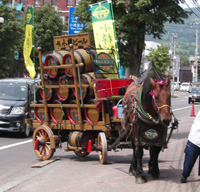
{"x": 48, "y": 91}
{"x": 80, "y": 139}
{"x": 93, "y": 115}
{"x": 56, "y": 113}
{"x": 86, "y": 79}
{"x": 63, "y": 93}
{"x": 72, "y": 113}
{"x": 40, "y": 113}
{"x": 55, "y": 59}
{"x": 80, "y": 56}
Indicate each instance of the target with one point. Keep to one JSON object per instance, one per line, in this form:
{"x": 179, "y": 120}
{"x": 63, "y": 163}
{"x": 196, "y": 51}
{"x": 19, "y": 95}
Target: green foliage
{"x": 160, "y": 58}
{"x": 47, "y": 25}
{"x": 11, "y": 38}
{"x": 133, "y": 21}
{"x": 184, "y": 61}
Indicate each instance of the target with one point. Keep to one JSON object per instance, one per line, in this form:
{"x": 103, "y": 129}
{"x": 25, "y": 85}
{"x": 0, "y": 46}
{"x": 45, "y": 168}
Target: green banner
{"x": 104, "y": 31}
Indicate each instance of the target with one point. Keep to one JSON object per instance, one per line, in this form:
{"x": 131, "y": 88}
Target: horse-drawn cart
{"x": 78, "y": 104}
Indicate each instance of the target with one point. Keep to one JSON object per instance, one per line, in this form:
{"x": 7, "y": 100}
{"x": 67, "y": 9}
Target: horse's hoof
{"x": 155, "y": 176}
{"x": 132, "y": 173}
{"x": 140, "y": 179}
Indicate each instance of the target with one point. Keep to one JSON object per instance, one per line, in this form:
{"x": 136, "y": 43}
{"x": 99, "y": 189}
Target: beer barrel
{"x": 80, "y": 56}
{"x": 86, "y": 79}
{"x": 63, "y": 93}
{"x": 93, "y": 115}
{"x": 40, "y": 112}
{"x": 79, "y": 139}
{"x": 57, "y": 113}
{"x": 52, "y": 60}
{"x": 48, "y": 91}
{"x": 72, "y": 113}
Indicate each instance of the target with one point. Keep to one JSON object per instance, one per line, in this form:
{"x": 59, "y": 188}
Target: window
{"x": 53, "y": 2}
{"x": 37, "y": 2}
{"x": 70, "y": 3}
{"x": 23, "y": 1}
{"x": 46, "y": 2}
{"x": 77, "y": 2}
{"x": 63, "y": 19}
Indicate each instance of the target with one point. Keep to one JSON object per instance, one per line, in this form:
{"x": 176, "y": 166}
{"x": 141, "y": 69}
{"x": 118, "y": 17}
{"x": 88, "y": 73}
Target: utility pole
{"x": 172, "y": 53}
{"x": 195, "y": 65}
{"x": 196, "y": 51}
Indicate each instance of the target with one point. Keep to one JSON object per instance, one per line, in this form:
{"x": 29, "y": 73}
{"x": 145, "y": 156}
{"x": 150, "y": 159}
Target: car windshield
{"x": 185, "y": 84}
{"x": 13, "y": 91}
{"x": 195, "y": 90}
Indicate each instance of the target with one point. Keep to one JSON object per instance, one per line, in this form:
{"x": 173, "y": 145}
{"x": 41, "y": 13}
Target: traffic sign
{"x": 74, "y": 26}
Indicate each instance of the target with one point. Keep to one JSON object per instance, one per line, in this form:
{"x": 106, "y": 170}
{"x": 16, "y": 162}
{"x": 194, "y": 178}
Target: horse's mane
{"x": 150, "y": 72}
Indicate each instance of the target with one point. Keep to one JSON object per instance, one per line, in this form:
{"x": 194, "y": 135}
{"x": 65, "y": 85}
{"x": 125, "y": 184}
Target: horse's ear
{"x": 152, "y": 82}
{"x": 167, "y": 81}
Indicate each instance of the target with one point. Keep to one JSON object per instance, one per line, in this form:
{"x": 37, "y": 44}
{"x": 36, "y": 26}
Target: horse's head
{"x": 161, "y": 99}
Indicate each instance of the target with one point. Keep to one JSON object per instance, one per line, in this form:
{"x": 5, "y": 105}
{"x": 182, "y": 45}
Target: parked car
{"x": 175, "y": 86}
{"x": 16, "y": 95}
{"x": 185, "y": 86}
{"x": 194, "y": 95}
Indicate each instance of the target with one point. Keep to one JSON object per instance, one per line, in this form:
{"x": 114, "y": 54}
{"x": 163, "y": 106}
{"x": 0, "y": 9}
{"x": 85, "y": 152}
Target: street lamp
{"x": 1, "y": 21}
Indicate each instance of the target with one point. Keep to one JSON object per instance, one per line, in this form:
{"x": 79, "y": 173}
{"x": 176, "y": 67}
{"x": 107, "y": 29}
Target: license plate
{"x": 193, "y": 99}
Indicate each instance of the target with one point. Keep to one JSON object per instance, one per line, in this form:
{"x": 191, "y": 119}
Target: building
{"x": 185, "y": 74}
{"x": 61, "y": 6}
{"x": 148, "y": 46}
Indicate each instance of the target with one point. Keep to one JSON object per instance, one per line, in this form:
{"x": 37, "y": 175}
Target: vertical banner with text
{"x": 104, "y": 31}
{"x": 28, "y": 42}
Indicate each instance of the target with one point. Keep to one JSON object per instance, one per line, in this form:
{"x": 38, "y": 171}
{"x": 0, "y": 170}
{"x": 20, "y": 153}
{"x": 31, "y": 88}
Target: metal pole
{"x": 196, "y": 52}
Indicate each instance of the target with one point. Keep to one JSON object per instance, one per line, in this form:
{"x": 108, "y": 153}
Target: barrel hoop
{"x": 82, "y": 59}
{"x": 59, "y": 53}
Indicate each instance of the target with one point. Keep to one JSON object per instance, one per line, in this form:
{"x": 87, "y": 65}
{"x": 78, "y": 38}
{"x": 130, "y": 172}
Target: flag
{"x": 104, "y": 30}
{"x": 28, "y": 42}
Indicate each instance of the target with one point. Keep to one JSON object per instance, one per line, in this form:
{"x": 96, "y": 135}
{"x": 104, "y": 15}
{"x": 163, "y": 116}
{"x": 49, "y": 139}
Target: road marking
{"x": 16, "y": 144}
{"x": 184, "y": 108}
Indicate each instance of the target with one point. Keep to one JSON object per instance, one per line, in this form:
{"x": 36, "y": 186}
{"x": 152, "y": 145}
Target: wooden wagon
{"x": 78, "y": 104}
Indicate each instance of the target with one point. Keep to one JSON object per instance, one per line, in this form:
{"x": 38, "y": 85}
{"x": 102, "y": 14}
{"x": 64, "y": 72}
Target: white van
{"x": 186, "y": 86}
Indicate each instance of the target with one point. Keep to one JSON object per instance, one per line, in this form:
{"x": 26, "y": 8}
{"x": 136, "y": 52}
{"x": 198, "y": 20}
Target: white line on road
{"x": 184, "y": 108}
{"x": 28, "y": 141}
{"x": 15, "y": 144}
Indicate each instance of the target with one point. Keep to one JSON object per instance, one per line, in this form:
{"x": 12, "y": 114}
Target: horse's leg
{"x": 133, "y": 166}
{"x": 136, "y": 168}
{"x": 140, "y": 176}
{"x": 153, "y": 162}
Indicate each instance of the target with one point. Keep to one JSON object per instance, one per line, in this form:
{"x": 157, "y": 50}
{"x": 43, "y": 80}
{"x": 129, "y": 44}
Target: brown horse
{"x": 147, "y": 115}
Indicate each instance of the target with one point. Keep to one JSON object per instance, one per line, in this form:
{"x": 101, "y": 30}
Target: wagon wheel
{"x": 81, "y": 153}
{"x": 102, "y": 144}
{"x": 41, "y": 142}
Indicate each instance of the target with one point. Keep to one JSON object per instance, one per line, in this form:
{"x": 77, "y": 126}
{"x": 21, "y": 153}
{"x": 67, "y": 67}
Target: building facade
{"x": 61, "y": 6}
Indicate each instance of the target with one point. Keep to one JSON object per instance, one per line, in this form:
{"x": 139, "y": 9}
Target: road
{"x": 70, "y": 173}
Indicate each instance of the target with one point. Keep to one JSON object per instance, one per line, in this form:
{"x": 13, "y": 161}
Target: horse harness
{"x": 133, "y": 104}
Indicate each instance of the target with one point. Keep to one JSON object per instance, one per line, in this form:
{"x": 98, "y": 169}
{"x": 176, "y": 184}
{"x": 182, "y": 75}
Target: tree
{"x": 184, "y": 61}
{"x": 160, "y": 58}
{"x": 11, "y": 38}
{"x": 47, "y": 25}
{"x": 133, "y": 21}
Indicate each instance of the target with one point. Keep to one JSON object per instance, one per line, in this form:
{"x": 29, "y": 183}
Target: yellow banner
{"x": 28, "y": 45}
{"x": 105, "y": 39}
{"x": 27, "y": 51}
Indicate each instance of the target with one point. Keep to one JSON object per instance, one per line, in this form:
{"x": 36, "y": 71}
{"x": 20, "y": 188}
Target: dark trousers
{"x": 191, "y": 153}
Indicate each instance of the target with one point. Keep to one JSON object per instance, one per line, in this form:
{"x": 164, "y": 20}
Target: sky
{"x": 190, "y": 3}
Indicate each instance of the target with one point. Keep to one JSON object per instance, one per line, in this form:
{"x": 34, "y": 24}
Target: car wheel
{"x": 26, "y": 131}
{"x": 189, "y": 101}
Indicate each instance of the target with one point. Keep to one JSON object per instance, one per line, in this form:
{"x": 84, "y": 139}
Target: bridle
{"x": 154, "y": 100}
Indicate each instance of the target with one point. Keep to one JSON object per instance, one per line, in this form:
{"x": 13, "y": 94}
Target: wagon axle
{"x": 39, "y": 142}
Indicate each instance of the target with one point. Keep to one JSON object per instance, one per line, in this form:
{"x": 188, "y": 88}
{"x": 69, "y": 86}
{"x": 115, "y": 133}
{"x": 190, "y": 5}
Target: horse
{"x": 146, "y": 116}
